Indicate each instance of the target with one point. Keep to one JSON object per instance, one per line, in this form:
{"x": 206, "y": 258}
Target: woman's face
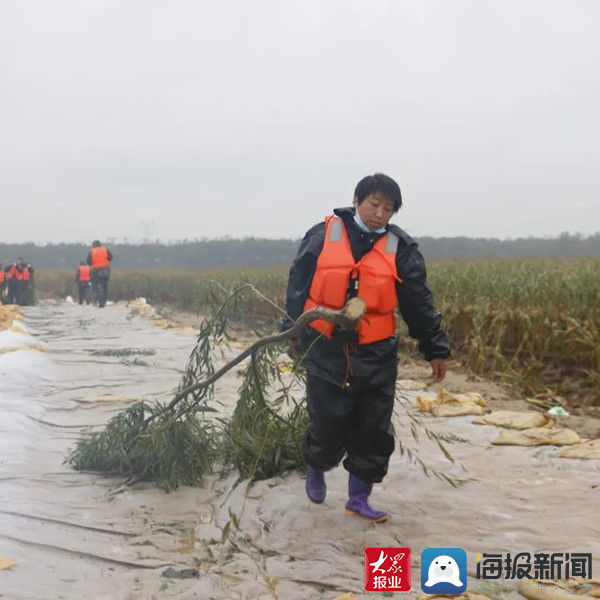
{"x": 375, "y": 210}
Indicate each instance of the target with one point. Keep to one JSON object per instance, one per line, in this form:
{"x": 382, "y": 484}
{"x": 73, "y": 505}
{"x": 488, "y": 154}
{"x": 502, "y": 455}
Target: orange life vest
{"x": 1, "y": 275}
{"x": 11, "y": 272}
{"x": 21, "y": 275}
{"x": 84, "y": 273}
{"x": 99, "y": 257}
{"x": 376, "y": 274}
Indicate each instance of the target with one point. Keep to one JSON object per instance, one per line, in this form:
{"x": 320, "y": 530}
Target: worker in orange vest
{"x": 99, "y": 259}
{"x": 10, "y": 282}
{"x": 83, "y": 278}
{"x": 2, "y": 283}
{"x": 351, "y": 375}
{"x": 21, "y": 276}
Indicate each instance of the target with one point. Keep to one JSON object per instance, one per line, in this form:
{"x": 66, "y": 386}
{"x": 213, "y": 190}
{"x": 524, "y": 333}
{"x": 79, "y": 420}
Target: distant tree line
{"x": 565, "y": 245}
{"x": 256, "y": 251}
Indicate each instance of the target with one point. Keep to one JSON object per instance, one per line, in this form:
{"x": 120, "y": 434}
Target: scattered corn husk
{"x": 564, "y": 589}
{"x": 106, "y": 398}
{"x": 516, "y": 420}
{"x": 538, "y": 436}
{"x": 452, "y": 405}
{"x": 37, "y": 347}
{"x": 7, "y": 563}
{"x": 589, "y": 449}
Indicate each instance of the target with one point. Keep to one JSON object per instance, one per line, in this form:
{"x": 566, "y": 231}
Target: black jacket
{"x": 372, "y": 363}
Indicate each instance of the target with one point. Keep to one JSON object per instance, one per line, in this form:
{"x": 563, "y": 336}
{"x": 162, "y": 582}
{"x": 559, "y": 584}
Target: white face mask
{"x": 363, "y": 227}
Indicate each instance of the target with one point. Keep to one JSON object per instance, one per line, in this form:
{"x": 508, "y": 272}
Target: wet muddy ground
{"x": 77, "y": 535}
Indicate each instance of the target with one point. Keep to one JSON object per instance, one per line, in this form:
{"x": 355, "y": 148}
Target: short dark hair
{"x": 96, "y": 243}
{"x": 379, "y": 183}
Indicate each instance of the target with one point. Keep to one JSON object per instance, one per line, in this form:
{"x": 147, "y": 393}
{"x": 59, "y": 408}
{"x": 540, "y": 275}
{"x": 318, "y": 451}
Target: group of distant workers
{"x": 16, "y": 282}
{"x": 93, "y": 274}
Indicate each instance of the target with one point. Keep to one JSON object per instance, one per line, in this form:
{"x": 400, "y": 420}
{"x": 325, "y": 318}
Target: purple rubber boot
{"x": 316, "y": 489}
{"x": 359, "y": 491}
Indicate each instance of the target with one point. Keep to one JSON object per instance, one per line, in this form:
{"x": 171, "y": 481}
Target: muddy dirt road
{"x": 77, "y": 536}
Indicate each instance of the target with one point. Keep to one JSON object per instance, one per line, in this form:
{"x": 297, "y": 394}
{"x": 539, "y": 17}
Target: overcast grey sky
{"x": 183, "y": 119}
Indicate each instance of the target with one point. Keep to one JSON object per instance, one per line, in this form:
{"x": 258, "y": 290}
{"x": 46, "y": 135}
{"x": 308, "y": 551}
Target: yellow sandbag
{"x": 585, "y": 450}
{"x": 6, "y": 318}
{"x": 8, "y": 314}
{"x": 590, "y": 587}
{"x": 580, "y": 586}
{"x": 538, "y": 436}
{"x": 452, "y": 405}
{"x": 346, "y": 596}
{"x": 581, "y": 589}
{"x": 140, "y": 307}
{"x": 7, "y": 563}
{"x": 512, "y": 419}
{"x": 15, "y": 311}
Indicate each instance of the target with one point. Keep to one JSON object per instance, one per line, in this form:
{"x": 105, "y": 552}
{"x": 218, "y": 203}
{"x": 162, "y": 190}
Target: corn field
{"x": 531, "y": 322}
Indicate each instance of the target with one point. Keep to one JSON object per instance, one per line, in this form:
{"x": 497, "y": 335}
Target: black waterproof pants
{"x": 20, "y": 294}
{"x": 100, "y": 285}
{"x": 354, "y": 421}
{"x": 85, "y": 288}
{"x": 12, "y": 297}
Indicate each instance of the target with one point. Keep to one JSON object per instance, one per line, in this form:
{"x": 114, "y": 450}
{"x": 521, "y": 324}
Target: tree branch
{"x": 347, "y": 318}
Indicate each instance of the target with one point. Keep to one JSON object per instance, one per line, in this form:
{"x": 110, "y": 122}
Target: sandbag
{"x": 8, "y": 314}
{"x": 586, "y": 450}
{"x": 446, "y": 404}
{"x": 512, "y": 419}
{"x": 538, "y": 436}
